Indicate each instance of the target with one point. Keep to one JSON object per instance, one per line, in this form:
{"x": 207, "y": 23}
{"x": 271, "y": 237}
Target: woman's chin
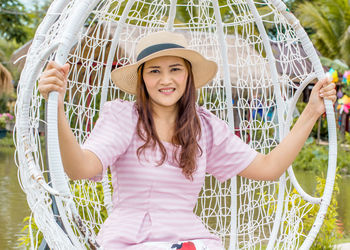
{"x": 165, "y": 103}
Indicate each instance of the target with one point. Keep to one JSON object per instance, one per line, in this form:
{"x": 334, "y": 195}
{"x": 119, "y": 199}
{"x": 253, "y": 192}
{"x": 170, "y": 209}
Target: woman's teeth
{"x": 167, "y": 90}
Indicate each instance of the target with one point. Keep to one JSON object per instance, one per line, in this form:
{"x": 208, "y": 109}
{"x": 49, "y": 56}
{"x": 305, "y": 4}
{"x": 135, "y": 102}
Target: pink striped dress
{"x": 155, "y": 203}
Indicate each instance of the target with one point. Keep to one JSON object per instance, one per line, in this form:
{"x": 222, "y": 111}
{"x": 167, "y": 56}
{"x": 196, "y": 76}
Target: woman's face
{"x": 165, "y": 79}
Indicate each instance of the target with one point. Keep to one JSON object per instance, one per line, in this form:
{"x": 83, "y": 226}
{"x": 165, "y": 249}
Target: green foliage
{"x": 13, "y": 21}
{"x": 347, "y": 138}
{"x": 301, "y": 106}
{"x": 346, "y": 89}
{"x": 293, "y": 4}
{"x": 328, "y": 233}
{"x": 335, "y": 64}
{"x": 18, "y": 23}
{"x": 6, "y": 50}
{"x": 17, "y": 26}
{"x": 37, "y": 14}
{"x": 5, "y": 118}
{"x": 329, "y": 21}
{"x": 29, "y": 228}
{"x": 314, "y": 157}
{"x": 6, "y": 144}
{"x": 84, "y": 208}
{"x": 324, "y": 125}
{"x": 343, "y": 156}
{"x": 7, "y": 102}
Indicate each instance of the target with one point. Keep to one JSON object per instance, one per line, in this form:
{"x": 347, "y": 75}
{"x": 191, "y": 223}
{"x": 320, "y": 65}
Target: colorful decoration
{"x": 344, "y": 104}
{"x": 346, "y": 77}
{"x": 184, "y": 246}
{"x": 334, "y": 74}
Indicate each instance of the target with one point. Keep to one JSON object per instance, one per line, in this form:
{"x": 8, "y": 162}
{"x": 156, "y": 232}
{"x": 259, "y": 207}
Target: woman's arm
{"x": 77, "y": 163}
{"x": 274, "y": 164}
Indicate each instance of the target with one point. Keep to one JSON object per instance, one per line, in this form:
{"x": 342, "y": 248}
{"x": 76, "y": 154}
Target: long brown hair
{"x": 187, "y": 127}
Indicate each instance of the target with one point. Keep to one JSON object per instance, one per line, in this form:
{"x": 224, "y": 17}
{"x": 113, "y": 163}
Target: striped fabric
{"x": 155, "y": 203}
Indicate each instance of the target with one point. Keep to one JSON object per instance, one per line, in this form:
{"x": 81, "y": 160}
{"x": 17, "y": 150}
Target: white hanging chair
{"x": 255, "y": 98}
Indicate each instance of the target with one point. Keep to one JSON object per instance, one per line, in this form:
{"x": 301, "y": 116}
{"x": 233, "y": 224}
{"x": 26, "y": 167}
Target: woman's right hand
{"x": 54, "y": 78}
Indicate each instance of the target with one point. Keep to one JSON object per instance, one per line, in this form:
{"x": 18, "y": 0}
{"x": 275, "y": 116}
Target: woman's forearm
{"x": 281, "y": 157}
{"x": 275, "y": 163}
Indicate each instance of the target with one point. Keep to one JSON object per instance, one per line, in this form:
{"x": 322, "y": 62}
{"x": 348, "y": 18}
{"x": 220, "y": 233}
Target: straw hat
{"x": 159, "y": 44}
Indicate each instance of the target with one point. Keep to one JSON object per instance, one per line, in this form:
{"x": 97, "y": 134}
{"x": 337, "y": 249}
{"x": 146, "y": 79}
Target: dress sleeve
{"x": 227, "y": 154}
{"x": 111, "y": 134}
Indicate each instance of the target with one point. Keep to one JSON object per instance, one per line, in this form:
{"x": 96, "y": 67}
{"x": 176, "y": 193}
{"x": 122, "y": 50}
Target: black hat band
{"x": 157, "y": 47}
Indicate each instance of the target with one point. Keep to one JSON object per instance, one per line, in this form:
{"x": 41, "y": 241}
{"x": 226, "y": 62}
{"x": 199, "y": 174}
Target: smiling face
{"x": 165, "y": 79}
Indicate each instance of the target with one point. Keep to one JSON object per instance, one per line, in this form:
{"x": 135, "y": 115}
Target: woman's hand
{"x": 54, "y": 78}
{"x": 323, "y": 89}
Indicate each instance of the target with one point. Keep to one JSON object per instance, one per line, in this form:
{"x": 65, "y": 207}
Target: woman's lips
{"x": 167, "y": 91}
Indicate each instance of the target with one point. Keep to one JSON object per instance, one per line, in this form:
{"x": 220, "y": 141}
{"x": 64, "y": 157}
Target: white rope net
{"x": 255, "y": 91}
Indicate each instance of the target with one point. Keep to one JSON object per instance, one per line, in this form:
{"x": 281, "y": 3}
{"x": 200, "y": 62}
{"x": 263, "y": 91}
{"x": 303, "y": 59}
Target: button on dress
{"x": 154, "y": 203}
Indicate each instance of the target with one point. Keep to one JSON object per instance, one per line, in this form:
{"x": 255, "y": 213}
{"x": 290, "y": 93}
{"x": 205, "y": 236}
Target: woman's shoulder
{"x": 118, "y": 106}
{"x": 207, "y": 117}
{"x": 120, "y": 109}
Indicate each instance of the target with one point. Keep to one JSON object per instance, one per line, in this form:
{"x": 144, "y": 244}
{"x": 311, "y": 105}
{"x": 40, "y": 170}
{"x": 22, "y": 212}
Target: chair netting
{"x": 260, "y": 78}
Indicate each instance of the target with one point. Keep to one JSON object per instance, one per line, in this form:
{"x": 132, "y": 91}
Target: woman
{"x": 160, "y": 147}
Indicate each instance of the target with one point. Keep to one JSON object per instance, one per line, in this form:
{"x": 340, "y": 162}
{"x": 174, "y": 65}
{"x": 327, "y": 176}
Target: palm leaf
{"x": 330, "y": 21}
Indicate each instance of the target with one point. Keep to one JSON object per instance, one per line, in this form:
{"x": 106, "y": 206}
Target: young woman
{"x": 160, "y": 147}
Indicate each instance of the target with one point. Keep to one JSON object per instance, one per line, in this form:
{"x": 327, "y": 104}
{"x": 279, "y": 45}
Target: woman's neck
{"x": 164, "y": 120}
{"x": 165, "y": 114}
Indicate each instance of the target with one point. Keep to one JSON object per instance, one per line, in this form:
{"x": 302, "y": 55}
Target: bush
{"x": 30, "y": 227}
{"x": 314, "y": 157}
{"x": 7, "y": 102}
{"x": 329, "y": 232}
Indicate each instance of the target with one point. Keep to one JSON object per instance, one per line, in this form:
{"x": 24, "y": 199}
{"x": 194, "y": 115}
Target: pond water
{"x": 308, "y": 182}
{"x": 14, "y": 205}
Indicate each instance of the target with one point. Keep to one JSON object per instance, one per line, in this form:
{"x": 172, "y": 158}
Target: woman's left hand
{"x": 323, "y": 89}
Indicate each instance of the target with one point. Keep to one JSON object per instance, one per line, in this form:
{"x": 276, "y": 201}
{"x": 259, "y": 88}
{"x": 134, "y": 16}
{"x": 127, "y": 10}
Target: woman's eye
{"x": 175, "y": 69}
{"x": 154, "y": 71}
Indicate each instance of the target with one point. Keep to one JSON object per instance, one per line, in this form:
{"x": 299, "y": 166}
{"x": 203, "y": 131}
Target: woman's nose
{"x": 165, "y": 78}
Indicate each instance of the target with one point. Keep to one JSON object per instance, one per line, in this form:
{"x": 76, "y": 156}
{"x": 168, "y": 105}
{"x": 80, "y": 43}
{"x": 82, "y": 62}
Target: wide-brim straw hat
{"x": 159, "y": 44}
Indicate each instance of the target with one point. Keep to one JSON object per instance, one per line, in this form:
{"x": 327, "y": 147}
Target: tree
{"x": 330, "y": 23}
{"x": 13, "y": 21}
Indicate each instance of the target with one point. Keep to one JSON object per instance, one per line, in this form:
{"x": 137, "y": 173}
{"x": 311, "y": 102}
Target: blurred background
{"x": 326, "y": 22}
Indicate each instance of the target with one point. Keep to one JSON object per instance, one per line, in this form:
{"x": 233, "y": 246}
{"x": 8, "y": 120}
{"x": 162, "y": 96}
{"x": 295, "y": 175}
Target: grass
{"x": 6, "y": 143}
{"x": 343, "y": 240}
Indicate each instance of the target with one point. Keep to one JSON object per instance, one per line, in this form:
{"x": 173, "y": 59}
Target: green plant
{"x": 29, "y": 229}
{"x": 6, "y": 143}
{"x": 7, "y": 102}
{"x": 314, "y": 157}
{"x": 85, "y": 207}
{"x": 328, "y": 22}
{"x": 346, "y": 89}
{"x": 347, "y": 138}
{"x": 323, "y": 126}
{"x": 329, "y": 232}
{"x": 5, "y": 118}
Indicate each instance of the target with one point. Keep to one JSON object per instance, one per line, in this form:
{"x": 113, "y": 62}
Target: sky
{"x": 30, "y": 3}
